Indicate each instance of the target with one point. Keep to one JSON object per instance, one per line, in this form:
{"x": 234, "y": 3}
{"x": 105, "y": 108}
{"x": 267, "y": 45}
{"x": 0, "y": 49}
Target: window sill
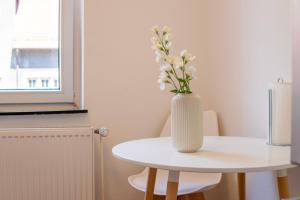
{"x": 46, "y": 112}
{"x": 40, "y": 109}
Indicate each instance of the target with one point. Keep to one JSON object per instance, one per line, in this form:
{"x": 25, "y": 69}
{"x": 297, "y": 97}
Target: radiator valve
{"x": 103, "y": 132}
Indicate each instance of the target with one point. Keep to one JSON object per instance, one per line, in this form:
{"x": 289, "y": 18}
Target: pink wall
{"x": 240, "y": 46}
{"x": 296, "y": 82}
{"x": 122, "y": 92}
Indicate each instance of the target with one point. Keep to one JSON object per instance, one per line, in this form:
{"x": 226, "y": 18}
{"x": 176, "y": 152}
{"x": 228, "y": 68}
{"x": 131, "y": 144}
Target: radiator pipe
{"x": 103, "y": 132}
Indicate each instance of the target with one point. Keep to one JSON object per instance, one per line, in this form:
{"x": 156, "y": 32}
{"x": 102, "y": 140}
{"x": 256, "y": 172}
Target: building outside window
{"x": 45, "y": 83}
{"x": 55, "y": 83}
{"x": 37, "y": 42}
{"x": 32, "y": 83}
{"x": 34, "y": 44}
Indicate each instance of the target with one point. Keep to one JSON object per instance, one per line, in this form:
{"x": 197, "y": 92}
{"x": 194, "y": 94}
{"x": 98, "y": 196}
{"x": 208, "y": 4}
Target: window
{"x": 45, "y": 83}
{"x": 55, "y": 83}
{"x": 32, "y": 83}
{"x": 37, "y": 39}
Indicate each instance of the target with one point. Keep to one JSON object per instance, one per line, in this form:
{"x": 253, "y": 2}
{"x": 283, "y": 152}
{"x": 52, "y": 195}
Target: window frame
{"x": 70, "y": 31}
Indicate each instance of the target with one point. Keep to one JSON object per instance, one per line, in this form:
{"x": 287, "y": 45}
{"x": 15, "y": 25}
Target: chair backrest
{"x": 210, "y": 125}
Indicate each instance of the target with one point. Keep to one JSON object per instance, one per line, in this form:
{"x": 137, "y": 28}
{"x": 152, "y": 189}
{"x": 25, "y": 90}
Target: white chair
{"x": 190, "y": 184}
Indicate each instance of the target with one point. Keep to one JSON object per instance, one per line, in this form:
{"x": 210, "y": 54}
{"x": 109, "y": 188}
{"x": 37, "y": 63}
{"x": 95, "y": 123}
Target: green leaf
{"x": 174, "y": 91}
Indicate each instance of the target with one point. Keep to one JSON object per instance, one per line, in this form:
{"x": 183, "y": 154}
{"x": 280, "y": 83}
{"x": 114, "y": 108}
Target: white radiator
{"x": 46, "y": 164}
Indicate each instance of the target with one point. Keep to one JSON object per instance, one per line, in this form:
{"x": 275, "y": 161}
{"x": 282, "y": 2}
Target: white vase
{"x": 187, "y": 122}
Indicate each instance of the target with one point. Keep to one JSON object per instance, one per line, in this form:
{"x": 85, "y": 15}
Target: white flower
{"x": 179, "y": 64}
{"x": 169, "y": 44}
{"x": 165, "y": 67}
{"x": 154, "y": 29}
{"x": 183, "y": 53}
{"x": 167, "y": 36}
{"x": 163, "y": 76}
{"x": 169, "y": 64}
{"x": 187, "y": 56}
{"x": 166, "y": 29}
{"x": 157, "y": 53}
{"x": 175, "y": 61}
{"x": 158, "y": 56}
{"x": 162, "y": 86}
{"x": 172, "y": 60}
{"x": 161, "y": 80}
{"x": 156, "y": 44}
{"x": 154, "y": 40}
{"x": 169, "y": 59}
{"x": 157, "y": 59}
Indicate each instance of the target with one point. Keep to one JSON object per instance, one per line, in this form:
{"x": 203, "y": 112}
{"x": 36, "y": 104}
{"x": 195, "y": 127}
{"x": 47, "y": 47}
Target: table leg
{"x": 158, "y": 197}
{"x": 242, "y": 186}
{"x": 150, "y": 184}
{"x": 192, "y": 196}
{"x": 172, "y": 187}
{"x": 283, "y": 186}
{"x": 200, "y": 196}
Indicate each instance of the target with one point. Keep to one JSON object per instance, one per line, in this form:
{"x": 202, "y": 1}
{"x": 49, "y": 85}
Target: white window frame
{"x": 70, "y": 37}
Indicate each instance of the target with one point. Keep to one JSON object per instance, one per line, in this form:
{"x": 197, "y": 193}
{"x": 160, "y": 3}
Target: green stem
{"x": 176, "y": 76}
{"x": 165, "y": 50}
{"x": 183, "y": 88}
{"x": 172, "y": 80}
{"x": 183, "y": 71}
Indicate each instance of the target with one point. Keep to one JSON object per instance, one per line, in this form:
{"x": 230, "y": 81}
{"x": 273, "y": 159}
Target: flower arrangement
{"x": 175, "y": 71}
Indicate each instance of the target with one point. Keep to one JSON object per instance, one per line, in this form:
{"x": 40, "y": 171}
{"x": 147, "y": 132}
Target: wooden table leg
{"x": 200, "y": 196}
{"x": 283, "y": 186}
{"x": 150, "y": 184}
{"x": 172, "y": 187}
{"x": 242, "y": 186}
{"x": 158, "y": 197}
{"x": 192, "y": 196}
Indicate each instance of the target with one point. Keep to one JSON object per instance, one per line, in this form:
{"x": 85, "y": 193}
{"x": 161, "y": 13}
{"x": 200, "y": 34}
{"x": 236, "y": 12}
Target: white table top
{"x": 219, "y": 154}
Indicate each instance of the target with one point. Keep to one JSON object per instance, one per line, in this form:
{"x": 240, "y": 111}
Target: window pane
{"x": 29, "y": 39}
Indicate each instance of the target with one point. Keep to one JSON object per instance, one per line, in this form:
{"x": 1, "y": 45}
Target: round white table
{"x": 221, "y": 154}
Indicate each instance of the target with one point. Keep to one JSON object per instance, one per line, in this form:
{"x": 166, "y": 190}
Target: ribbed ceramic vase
{"x": 187, "y": 122}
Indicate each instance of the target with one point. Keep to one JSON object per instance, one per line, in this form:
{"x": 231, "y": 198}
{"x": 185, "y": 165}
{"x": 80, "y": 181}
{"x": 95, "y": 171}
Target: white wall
{"x": 296, "y": 83}
{"x": 247, "y": 46}
{"x": 122, "y": 90}
{"x": 240, "y": 46}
